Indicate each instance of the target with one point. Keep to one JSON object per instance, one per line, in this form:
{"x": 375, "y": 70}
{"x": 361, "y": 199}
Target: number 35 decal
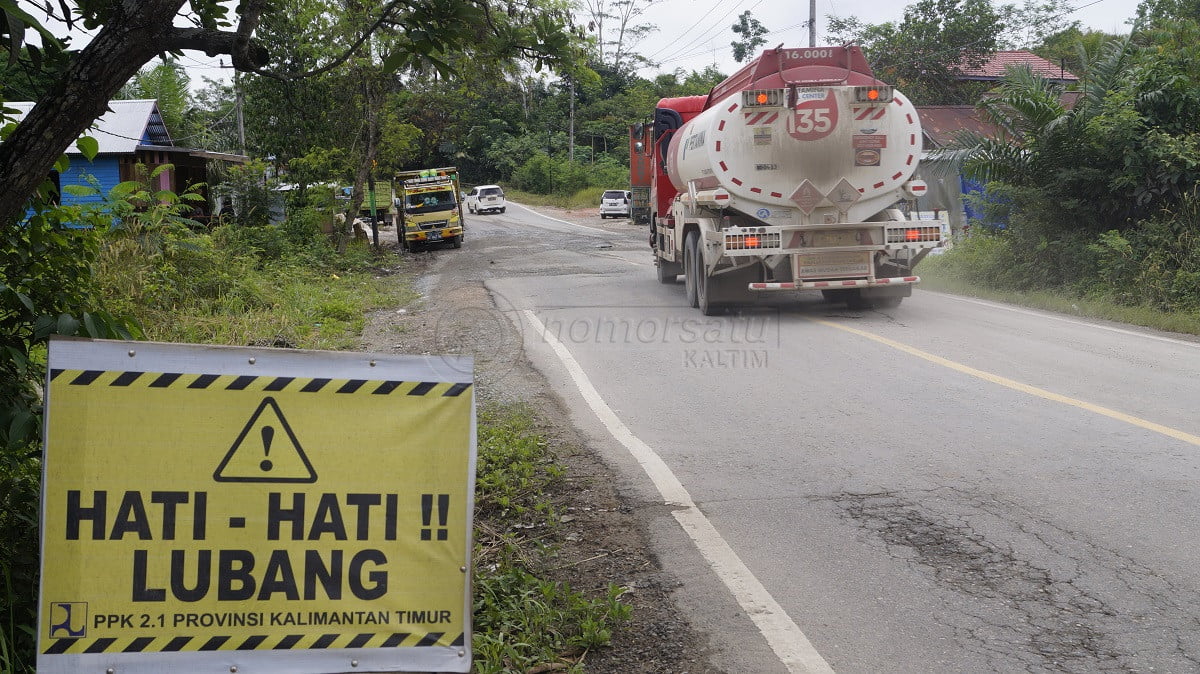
{"x": 813, "y": 120}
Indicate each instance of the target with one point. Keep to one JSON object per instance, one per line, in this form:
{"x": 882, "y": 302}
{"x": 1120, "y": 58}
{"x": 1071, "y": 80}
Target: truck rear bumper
{"x": 829, "y": 285}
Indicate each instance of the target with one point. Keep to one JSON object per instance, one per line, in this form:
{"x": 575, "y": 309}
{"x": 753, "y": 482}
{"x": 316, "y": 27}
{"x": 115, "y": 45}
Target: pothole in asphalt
{"x": 1054, "y": 613}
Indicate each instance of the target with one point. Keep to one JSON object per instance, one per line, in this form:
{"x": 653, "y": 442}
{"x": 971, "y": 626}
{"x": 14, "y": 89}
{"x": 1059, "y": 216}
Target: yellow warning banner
{"x": 193, "y": 512}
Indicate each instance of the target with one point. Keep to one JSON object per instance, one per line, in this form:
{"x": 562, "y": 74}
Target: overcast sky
{"x": 694, "y": 34}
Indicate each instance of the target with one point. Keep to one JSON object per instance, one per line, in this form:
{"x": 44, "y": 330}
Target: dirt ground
{"x": 603, "y": 538}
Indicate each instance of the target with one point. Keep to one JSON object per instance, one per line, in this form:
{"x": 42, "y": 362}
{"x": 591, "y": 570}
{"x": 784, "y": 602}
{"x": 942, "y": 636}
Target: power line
{"x": 684, "y": 33}
{"x": 701, "y": 51}
{"x": 708, "y": 33}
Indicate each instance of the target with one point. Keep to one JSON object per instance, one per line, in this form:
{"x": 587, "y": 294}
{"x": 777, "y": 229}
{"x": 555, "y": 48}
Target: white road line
{"x": 1062, "y": 319}
{"x": 782, "y": 634}
{"x": 594, "y": 229}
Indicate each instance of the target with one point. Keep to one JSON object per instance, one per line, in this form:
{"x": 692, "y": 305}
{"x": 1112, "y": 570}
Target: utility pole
{"x": 237, "y": 87}
{"x": 812, "y": 23}
{"x": 238, "y": 99}
{"x": 571, "y": 133}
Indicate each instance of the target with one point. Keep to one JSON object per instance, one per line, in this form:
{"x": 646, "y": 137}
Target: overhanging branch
{"x": 384, "y": 16}
{"x": 214, "y": 42}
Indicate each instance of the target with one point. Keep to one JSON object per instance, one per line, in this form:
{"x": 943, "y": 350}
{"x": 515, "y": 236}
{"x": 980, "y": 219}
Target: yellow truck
{"x": 430, "y": 208}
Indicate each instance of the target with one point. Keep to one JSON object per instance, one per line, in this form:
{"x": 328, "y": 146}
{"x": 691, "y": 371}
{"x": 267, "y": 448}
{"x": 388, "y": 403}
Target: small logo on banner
{"x": 68, "y": 619}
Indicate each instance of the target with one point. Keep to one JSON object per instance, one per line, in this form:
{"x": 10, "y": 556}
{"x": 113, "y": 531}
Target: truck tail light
{"x": 755, "y": 241}
{"x": 913, "y": 234}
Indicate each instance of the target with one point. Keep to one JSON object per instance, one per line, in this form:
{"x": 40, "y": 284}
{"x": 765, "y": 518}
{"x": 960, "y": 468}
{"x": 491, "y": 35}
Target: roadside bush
{"x": 19, "y": 498}
{"x": 248, "y": 193}
{"x": 266, "y": 242}
{"x": 1156, "y": 264}
{"x": 302, "y": 227}
{"x": 543, "y": 175}
{"x": 535, "y": 174}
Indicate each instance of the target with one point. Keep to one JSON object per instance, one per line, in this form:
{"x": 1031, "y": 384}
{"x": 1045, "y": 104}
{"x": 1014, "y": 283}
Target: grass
{"x": 302, "y": 308}
{"x": 586, "y": 198}
{"x": 307, "y": 297}
{"x": 523, "y": 620}
{"x": 936, "y": 276}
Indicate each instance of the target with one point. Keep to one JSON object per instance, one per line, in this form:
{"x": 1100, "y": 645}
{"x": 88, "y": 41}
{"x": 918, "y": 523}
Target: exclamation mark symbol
{"x": 443, "y": 512}
{"x": 426, "y": 516}
{"x": 268, "y": 434}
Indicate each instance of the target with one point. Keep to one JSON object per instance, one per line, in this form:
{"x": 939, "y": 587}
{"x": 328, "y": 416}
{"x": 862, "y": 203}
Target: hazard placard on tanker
{"x": 217, "y": 509}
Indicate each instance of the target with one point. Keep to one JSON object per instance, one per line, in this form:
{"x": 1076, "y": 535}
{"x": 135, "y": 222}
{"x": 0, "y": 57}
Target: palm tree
{"x": 1036, "y": 133}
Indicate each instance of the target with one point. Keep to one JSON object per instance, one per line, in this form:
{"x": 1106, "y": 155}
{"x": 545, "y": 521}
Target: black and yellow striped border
{"x": 253, "y": 643}
{"x": 268, "y": 384}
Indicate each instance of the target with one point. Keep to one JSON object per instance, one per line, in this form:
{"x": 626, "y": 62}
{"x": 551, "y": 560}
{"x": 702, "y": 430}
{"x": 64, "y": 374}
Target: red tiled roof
{"x": 941, "y": 122}
{"x": 1001, "y": 60}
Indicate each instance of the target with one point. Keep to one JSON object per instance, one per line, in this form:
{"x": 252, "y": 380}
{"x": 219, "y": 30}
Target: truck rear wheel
{"x": 691, "y": 250}
{"x": 706, "y": 292}
{"x": 855, "y": 300}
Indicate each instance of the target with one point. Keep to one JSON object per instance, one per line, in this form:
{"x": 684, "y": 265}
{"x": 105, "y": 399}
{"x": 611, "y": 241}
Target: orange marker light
{"x": 752, "y": 242}
{"x": 912, "y": 235}
{"x": 873, "y": 94}
{"x": 761, "y": 98}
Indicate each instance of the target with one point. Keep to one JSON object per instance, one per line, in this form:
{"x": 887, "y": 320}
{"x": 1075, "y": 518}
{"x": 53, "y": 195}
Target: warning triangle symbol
{"x": 266, "y": 451}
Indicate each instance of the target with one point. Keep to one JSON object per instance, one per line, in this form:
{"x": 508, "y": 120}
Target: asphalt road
{"x": 949, "y": 486}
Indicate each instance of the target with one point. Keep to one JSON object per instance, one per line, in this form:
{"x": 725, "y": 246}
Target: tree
{"x": 752, "y": 33}
{"x": 167, "y": 82}
{"x": 132, "y": 32}
{"x": 614, "y": 23}
{"x": 925, "y": 53}
{"x": 1073, "y": 48}
{"x": 1032, "y": 23}
{"x": 1157, "y": 11}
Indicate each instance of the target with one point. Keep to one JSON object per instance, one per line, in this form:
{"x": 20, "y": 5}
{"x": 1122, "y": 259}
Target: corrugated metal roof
{"x": 941, "y": 122}
{"x": 995, "y": 68}
{"x": 122, "y": 129}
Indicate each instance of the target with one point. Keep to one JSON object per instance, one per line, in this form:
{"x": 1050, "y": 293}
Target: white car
{"x": 485, "y": 198}
{"x": 615, "y": 203}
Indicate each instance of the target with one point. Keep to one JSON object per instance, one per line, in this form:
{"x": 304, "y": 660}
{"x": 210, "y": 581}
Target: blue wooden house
{"x": 132, "y": 132}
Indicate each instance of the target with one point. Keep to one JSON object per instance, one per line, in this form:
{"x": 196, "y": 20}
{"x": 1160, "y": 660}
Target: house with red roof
{"x": 1001, "y": 61}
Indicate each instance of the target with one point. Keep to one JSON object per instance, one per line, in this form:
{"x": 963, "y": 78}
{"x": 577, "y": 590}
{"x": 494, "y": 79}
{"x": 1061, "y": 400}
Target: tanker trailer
{"x": 789, "y": 176}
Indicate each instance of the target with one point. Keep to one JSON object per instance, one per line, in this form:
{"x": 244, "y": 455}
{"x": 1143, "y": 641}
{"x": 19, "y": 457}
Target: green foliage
{"x": 751, "y": 31}
{"x": 514, "y": 467}
{"x": 929, "y": 48}
{"x": 522, "y": 618}
{"x": 248, "y": 193}
{"x": 543, "y": 175}
{"x": 167, "y": 82}
{"x": 46, "y": 288}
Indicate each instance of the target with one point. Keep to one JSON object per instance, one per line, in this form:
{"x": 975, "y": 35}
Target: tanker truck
{"x": 789, "y": 175}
